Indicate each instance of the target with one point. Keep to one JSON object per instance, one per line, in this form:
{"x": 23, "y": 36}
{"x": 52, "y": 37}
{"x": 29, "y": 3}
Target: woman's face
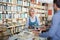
{"x": 31, "y": 12}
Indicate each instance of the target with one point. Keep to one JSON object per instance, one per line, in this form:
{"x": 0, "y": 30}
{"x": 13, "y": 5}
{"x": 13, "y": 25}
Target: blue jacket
{"x": 54, "y": 31}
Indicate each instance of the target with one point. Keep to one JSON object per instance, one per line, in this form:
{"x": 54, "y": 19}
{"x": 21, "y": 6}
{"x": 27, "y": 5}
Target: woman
{"x": 32, "y": 20}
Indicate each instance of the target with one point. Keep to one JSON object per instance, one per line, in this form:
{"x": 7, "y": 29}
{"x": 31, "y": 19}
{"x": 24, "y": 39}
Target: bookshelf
{"x": 18, "y": 10}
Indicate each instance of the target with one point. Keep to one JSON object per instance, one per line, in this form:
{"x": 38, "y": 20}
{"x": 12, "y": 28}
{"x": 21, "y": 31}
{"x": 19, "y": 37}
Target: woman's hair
{"x": 31, "y": 9}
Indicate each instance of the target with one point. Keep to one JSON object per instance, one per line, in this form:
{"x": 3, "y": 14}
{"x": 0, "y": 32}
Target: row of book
{"x": 6, "y": 1}
{"x": 10, "y": 8}
{"x": 13, "y": 15}
{"x": 20, "y": 2}
{"x": 40, "y": 11}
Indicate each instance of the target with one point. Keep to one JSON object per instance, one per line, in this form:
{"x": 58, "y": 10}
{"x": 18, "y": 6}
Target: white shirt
{"x": 32, "y": 20}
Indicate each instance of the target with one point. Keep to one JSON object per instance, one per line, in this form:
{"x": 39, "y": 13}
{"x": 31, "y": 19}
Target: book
{"x": 38, "y": 15}
{"x": 13, "y": 8}
{"x": 5, "y": 7}
{"x": 13, "y": 15}
{"x": 0, "y": 6}
{"x": 9, "y": 1}
{"x": 27, "y": 10}
{"x": 31, "y": 4}
{"x": 26, "y": 15}
{"x": 22, "y": 15}
{"x": 24, "y": 9}
{"x": 18, "y": 8}
{"x": 19, "y": 2}
{"x": 26, "y": 3}
{"x": 16, "y": 15}
{"x": 3, "y": 16}
{"x": 43, "y": 11}
{"x": 9, "y": 8}
{"x": 4, "y": 0}
{"x": 10, "y": 15}
{"x": 0, "y": 16}
{"x": 7, "y": 16}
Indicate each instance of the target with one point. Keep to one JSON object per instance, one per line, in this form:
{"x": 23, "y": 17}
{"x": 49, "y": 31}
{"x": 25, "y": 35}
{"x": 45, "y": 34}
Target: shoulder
{"x": 56, "y": 16}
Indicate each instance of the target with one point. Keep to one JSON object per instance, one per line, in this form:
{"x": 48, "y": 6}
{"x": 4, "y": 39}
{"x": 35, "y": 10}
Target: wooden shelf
{"x": 26, "y": 6}
{"x": 8, "y": 19}
{"x": 10, "y": 27}
{"x": 26, "y": 1}
{"x": 5, "y": 3}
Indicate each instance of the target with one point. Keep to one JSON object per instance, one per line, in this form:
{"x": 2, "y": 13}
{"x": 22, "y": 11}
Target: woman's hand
{"x": 35, "y": 32}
